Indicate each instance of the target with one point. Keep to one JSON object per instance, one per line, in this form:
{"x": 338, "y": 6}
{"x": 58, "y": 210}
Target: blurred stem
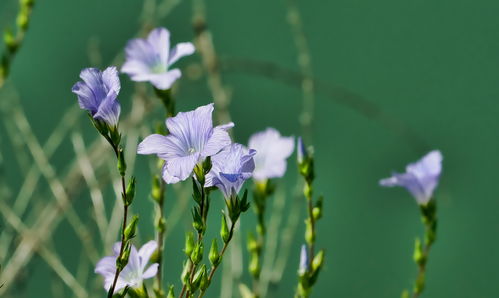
{"x": 261, "y": 193}
{"x": 422, "y": 250}
{"x": 13, "y": 41}
{"x": 159, "y": 197}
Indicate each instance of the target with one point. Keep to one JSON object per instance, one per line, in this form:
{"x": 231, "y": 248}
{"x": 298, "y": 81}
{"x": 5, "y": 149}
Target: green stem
{"x": 123, "y": 227}
{"x": 214, "y": 268}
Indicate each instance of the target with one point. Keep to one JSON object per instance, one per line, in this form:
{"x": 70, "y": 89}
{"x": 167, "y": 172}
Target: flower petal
{"x": 165, "y": 80}
{"x": 180, "y": 50}
{"x": 159, "y": 40}
{"x": 145, "y": 253}
{"x": 109, "y": 110}
{"x": 151, "y": 271}
{"x": 181, "y": 168}
{"x": 218, "y": 140}
{"x": 153, "y": 144}
{"x": 111, "y": 80}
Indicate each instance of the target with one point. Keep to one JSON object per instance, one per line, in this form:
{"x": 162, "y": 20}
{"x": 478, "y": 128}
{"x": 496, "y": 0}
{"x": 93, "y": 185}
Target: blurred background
{"x": 372, "y": 85}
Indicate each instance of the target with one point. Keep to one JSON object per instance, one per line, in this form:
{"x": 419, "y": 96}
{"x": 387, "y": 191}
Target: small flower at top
{"x": 192, "y": 138}
{"x": 150, "y": 59}
{"x": 230, "y": 168}
{"x": 421, "y": 178}
{"x": 273, "y": 150}
{"x": 134, "y": 272}
{"x": 97, "y": 94}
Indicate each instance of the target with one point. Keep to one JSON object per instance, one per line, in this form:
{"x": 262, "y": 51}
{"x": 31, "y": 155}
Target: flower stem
{"x": 125, "y": 214}
{"x": 214, "y": 268}
{"x": 421, "y": 251}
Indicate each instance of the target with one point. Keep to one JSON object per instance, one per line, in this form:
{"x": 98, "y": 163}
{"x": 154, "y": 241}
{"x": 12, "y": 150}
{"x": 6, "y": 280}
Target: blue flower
{"x": 192, "y": 138}
{"x": 273, "y": 150}
{"x": 134, "y": 272}
{"x": 421, "y": 178}
{"x": 150, "y": 59}
{"x": 230, "y": 168}
{"x": 97, "y": 94}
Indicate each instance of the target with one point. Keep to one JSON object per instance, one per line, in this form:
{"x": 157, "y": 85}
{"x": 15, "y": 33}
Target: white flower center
{"x": 191, "y": 150}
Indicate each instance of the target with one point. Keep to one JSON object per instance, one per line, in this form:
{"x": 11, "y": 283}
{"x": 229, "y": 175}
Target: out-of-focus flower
{"x": 421, "y": 178}
{"x": 192, "y": 138}
{"x": 134, "y": 272}
{"x": 97, "y": 94}
{"x": 150, "y": 59}
{"x": 273, "y": 150}
{"x": 230, "y": 168}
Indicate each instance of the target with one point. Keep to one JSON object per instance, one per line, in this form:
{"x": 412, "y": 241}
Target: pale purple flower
{"x": 150, "y": 59}
{"x": 97, "y": 93}
{"x": 303, "y": 260}
{"x": 134, "y": 272}
{"x": 421, "y": 178}
{"x": 192, "y": 138}
{"x": 230, "y": 168}
{"x": 273, "y": 150}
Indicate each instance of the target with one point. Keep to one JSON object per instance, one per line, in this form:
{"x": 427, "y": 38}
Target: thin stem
{"x": 214, "y": 268}
{"x": 160, "y": 237}
{"x": 125, "y": 213}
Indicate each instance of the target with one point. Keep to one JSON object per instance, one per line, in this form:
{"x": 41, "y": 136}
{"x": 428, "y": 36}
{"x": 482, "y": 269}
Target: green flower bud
{"x": 121, "y": 162}
{"x": 205, "y": 283}
{"x": 309, "y": 232}
{"x": 156, "y": 189}
{"x": 131, "y": 229}
{"x": 130, "y": 191}
{"x": 197, "y": 253}
{"x": 224, "y": 230}
{"x": 10, "y": 40}
{"x": 122, "y": 260}
{"x": 198, "y": 277}
{"x": 171, "y": 293}
{"x": 214, "y": 256}
{"x": 418, "y": 255}
{"x": 252, "y": 245}
{"x": 254, "y": 265}
{"x": 185, "y": 276}
{"x": 318, "y": 261}
{"x": 189, "y": 244}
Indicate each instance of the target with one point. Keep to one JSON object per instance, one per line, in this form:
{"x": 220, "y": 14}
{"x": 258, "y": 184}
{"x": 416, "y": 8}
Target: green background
{"x": 433, "y": 65}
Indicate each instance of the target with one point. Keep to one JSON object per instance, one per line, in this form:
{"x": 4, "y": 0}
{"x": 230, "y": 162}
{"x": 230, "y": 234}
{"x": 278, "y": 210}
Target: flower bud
{"x": 302, "y": 270}
{"x": 318, "y": 261}
{"x": 224, "y": 230}
{"x": 254, "y": 265}
{"x": 186, "y": 272}
{"x": 171, "y": 293}
{"x": 197, "y": 253}
{"x": 418, "y": 255}
{"x": 130, "y": 191}
{"x": 198, "y": 277}
{"x": 156, "y": 189}
{"x": 122, "y": 260}
{"x": 121, "y": 162}
{"x": 309, "y": 232}
{"x": 131, "y": 229}
{"x": 189, "y": 244}
{"x": 214, "y": 256}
